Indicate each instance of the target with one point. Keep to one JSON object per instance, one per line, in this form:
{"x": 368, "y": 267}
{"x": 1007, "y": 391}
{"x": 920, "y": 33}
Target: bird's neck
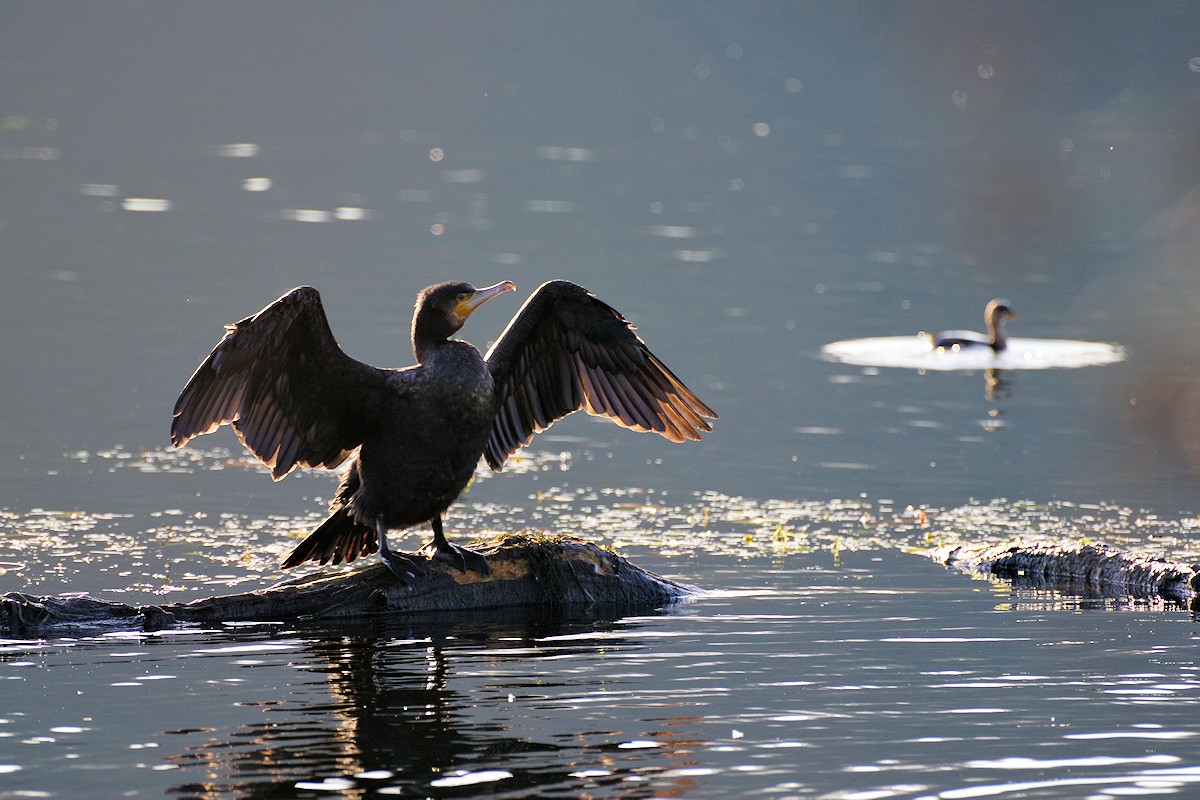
{"x": 996, "y": 336}
{"x": 428, "y": 349}
{"x": 430, "y": 333}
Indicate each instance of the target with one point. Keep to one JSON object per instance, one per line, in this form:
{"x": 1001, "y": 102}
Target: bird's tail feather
{"x": 339, "y": 538}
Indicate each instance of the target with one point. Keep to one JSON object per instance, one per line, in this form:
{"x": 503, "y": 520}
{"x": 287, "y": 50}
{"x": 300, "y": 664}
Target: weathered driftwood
{"x": 525, "y": 569}
{"x": 1071, "y": 566}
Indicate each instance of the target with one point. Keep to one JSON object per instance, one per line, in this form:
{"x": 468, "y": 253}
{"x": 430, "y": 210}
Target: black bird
{"x": 996, "y": 313}
{"x": 294, "y": 397}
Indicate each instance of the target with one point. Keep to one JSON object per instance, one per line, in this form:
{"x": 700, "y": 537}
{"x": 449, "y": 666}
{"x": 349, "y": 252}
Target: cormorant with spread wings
{"x": 294, "y": 397}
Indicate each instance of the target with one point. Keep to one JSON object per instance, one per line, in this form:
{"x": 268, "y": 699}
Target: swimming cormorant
{"x": 996, "y": 313}
{"x": 294, "y": 397}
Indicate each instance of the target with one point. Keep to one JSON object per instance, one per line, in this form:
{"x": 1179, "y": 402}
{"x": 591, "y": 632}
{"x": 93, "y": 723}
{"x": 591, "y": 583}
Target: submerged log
{"x": 525, "y": 570}
{"x": 1077, "y": 568}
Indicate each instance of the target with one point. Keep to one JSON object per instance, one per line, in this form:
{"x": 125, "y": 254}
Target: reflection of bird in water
{"x": 995, "y": 385}
{"x": 996, "y": 313}
{"x": 295, "y": 398}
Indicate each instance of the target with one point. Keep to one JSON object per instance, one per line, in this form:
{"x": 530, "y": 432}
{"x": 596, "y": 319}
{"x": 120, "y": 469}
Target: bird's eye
{"x": 462, "y": 296}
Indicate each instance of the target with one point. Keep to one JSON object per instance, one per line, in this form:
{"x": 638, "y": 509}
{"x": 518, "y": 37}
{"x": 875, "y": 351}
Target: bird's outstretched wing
{"x": 290, "y": 392}
{"x": 566, "y": 350}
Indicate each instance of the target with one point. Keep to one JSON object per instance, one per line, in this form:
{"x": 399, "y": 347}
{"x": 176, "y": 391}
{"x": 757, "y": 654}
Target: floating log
{"x": 526, "y": 569}
{"x": 1077, "y": 568}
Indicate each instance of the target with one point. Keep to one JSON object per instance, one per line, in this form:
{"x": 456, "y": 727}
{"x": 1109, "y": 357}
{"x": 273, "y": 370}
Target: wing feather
{"x": 636, "y": 404}
{"x": 593, "y": 401}
{"x": 280, "y": 379}
{"x": 572, "y": 388}
{"x": 616, "y": 408}
{"x": 566, "y": 350}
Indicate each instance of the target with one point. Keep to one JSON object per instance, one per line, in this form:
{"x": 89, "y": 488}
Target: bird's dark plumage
{"x": 995, "y": 314}
{"x": 294, "y": 397}
{"x": 566, "y": 350}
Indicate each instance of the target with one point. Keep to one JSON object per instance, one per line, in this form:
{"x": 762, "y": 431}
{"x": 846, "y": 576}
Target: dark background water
{"x": 898, "y": 189}
{"x": 746, "y": 182}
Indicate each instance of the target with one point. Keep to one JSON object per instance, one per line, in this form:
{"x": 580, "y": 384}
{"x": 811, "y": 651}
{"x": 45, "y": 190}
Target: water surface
{"x": 746, "y": 183}
{"x": 807, "y": 676}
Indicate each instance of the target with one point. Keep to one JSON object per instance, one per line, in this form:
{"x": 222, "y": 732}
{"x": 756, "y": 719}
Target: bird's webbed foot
{"x": 403, "y": 566}
{"x": 461, "y": 558}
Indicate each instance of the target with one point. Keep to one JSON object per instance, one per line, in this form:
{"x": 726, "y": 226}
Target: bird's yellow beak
{"x": 468, "y": 304}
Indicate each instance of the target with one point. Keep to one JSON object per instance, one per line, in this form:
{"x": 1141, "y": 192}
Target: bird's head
{"x": 444, "y": 308}
{"x": 998, "y": 311}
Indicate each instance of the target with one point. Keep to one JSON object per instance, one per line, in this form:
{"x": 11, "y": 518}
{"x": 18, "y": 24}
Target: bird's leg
{"x": 460, "y": 558}
{"x": 402, "y": 566}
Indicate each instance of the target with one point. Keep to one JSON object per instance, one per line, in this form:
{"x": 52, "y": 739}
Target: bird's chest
{"x": 424, "y": 454}
{"x": 457, "y": 406}
{"x": 436, "y": 429}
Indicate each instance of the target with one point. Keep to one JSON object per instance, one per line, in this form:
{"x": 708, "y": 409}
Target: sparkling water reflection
{"x": 180, "y": 553}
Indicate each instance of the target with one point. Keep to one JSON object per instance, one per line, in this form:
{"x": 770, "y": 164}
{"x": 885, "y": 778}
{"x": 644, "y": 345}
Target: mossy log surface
{"x": 525, "y": 570}
{"x": 1079, "y": 568}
